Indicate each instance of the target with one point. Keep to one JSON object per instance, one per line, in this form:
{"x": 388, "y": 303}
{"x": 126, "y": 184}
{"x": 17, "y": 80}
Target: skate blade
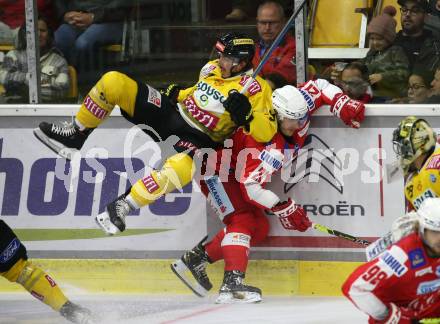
{"x": 103, "y": 221}
{"x": 55, "y": 146}
{"x": 238, "y": 298}
{"x": 184, "y": 274}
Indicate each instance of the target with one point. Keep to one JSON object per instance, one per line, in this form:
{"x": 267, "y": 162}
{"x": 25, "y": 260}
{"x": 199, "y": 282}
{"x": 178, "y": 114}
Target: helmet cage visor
{"x": 402, "y": 145}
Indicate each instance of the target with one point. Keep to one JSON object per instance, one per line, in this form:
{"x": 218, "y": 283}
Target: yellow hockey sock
{"x": 177, "y": 172}
{"x": 37, "y": 282}
{"x": 112, "y": 89}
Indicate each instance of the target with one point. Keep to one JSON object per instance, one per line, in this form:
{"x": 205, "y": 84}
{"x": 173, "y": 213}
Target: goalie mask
{"x": 411, "y": 139}
{"x": 289, "y": 103}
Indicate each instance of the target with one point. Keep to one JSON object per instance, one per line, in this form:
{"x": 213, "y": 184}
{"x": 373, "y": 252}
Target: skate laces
{"x": 199, "y": 264}
{"x": 122, "y": 208}
{"x": 66, "y": 129}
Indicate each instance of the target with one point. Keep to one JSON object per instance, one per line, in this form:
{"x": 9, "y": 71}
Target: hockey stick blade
{"x": 342, "y": 235}
{"x": 274, "y": 45}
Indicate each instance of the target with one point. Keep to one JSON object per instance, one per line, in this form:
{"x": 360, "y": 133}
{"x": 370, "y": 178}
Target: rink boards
{"x": 339, "y": 178}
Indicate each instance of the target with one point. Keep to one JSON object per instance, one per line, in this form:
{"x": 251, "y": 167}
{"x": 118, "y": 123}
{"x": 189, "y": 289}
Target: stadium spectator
{"x": 242, "y": 9}
{"x": 86, "y": 26}
{"x": 421, "y": 47}
{"x": 12, "y": 16}
{"x": 434, "y": 96}
{"x": 432, "y": 18}
{"x": 53, "y": 68}
{"x": 280, "y": 68}
{"x": 418, "y": 88}
{"x": 387, "y": 64}
{"x": 353, "y": 81}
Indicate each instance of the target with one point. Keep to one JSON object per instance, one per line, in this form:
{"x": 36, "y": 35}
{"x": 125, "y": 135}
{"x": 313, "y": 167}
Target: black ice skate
{"x": 191, "y": 269}
{"x": 112, "y": 221}
{"x": 77, "y": 314}
{"x": 233, "y": 290}
{"x": 65, "y": 139}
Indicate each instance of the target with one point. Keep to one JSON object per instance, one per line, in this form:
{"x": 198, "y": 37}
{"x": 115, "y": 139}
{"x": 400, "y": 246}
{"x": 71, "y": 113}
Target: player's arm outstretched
{"x": 321, "y": 92}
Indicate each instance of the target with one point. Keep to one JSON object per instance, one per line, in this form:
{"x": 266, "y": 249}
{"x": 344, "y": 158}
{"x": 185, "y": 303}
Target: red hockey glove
{"x": 291, "y": 216}
{"x": 351, "y": 112}
{"x": 397, "y": 315}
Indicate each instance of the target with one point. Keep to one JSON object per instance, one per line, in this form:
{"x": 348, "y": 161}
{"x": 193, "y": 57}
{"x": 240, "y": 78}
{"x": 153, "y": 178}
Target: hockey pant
{"x": 15, "y": 267}
{"x": 246, "y": 226}
{"x": 142, "y": 104}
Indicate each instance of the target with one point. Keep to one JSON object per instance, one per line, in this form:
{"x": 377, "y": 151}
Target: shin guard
{"x": 177, "y": 172}
{"x": 112, "y": 89}
{"x": 37, "y": 282}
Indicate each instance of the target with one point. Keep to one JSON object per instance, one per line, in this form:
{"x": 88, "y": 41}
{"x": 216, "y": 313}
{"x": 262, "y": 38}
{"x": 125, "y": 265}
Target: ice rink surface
{"x": 121, "y": 309}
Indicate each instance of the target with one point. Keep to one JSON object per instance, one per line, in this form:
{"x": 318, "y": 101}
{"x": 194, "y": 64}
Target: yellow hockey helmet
{"x": 412, "y": 138}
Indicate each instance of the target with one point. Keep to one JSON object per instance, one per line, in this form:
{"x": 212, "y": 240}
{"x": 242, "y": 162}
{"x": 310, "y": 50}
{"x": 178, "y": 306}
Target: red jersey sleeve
{"x": 255, "y": 163}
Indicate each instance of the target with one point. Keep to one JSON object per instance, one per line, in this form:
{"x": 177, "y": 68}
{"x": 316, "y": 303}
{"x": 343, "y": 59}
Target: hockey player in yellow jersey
{"x": 15, "y": 267}
{"x": 414, "y": 142}
{"x": 202, "y": 116}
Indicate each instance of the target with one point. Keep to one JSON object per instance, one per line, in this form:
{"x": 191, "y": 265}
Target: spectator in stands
{"x": 12, "y": 16}
{"x": 354, "y": 82}
{"x": 387, "y": 64}
{"x": 280, "y": 68}
{"x": 418, "y": 88}
{"x": 86, "y": 26}
{"x": 242, "y": 9}
{"x": 53, "y": 68}
{"x": 432, "y": 18}
{"x": 421, "y": 47}
{"x": 434, "y": 7}
{"x": 434, "y": 96}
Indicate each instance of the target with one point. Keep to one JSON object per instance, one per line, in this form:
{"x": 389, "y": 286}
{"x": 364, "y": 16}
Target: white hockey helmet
{"x": 429, "y": 212}
{"x": 289, "y": 103}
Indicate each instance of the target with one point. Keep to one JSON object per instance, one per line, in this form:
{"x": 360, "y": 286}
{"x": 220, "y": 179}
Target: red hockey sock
{"x": 214, "y": 249}
{"x": 235, "y": 247}
{"x": 236, "y": 257}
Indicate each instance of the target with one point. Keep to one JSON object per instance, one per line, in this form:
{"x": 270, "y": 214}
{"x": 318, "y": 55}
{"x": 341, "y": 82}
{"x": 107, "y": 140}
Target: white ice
{"x": 130, "y": 309}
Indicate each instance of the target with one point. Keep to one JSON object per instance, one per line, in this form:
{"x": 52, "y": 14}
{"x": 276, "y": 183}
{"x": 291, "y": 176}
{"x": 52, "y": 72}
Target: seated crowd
{"x": 400, "y": 67}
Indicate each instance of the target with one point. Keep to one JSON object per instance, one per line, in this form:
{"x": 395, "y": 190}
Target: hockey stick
{"x": 272, "y": 47}
{"x": 345, "y": 236}
{"x": 435, "y": 320}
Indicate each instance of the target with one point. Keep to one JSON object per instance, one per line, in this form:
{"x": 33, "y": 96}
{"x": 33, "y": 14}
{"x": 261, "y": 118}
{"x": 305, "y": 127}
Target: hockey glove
{"x": 398, "y": 315}
{"x": 239, "y": 107}
{"x": 351, "y": 112}
{"x": 172, "y": 92}
{"x": 292, "y": 216}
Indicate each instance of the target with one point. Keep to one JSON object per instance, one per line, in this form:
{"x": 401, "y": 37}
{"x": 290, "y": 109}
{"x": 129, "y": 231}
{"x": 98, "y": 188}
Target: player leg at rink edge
{"x": 240, "y": 204}
{"x": 243, "y": 230}
{"x": 202, "y": 116}
{"x": 402, "y": 285}
{"x": 15, "y": 267}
